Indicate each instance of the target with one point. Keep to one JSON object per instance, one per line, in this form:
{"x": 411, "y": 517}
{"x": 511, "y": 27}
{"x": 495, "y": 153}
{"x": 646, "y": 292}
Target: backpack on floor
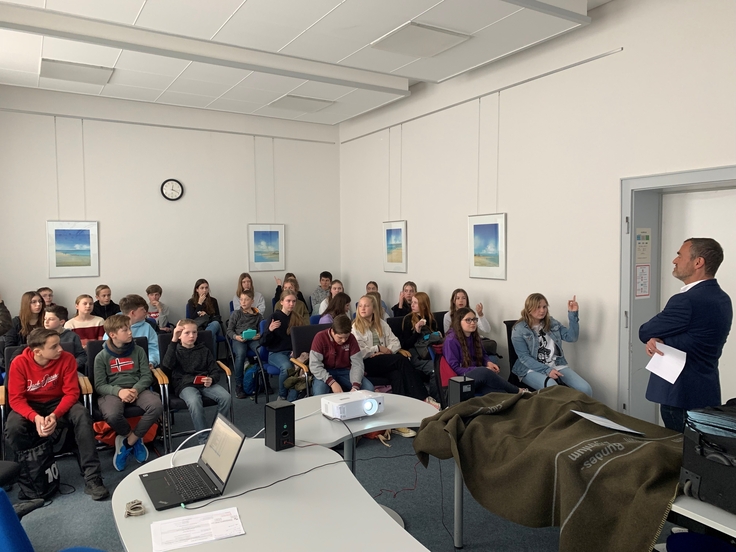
{"x": 39, "y": 474}
{"x": 249, "y": 380}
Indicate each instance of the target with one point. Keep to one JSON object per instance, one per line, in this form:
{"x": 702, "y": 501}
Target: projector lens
{"x": 370, "y": 406}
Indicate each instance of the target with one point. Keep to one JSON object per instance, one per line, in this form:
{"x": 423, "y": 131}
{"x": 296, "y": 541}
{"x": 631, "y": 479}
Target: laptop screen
{"x": 222, "y": 448}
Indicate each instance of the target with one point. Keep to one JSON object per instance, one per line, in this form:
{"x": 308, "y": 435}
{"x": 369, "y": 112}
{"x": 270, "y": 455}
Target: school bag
{"x": 39, "y": 474}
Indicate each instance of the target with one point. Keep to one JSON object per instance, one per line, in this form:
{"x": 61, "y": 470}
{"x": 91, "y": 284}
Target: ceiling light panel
{"x": 419, "y": 41}
{"x": 76, "y": 72}
{"x": 79, "y": 52}
{"x": 300, "y": 103}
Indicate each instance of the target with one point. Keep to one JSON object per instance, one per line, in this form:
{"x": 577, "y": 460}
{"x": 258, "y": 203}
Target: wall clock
{"x": 172, "y": 189}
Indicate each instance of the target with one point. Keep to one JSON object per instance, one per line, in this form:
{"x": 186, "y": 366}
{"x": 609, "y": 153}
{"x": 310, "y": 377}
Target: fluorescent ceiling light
{"x": 300, "y": 103}
{"x": 419, "y": 40}
{"x": 77, "y": 72}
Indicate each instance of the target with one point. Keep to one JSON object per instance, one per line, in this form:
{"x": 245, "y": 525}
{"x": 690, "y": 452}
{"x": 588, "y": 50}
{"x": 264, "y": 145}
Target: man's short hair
{"x": 248, "y": 292}
{"x": 325, "y": 274}
{"x": 116, "y": 322}
{"x": 131, "y": 302}
{"x": 38, "y": 337}
{"x": 711, "y": 252}
{"x": 99, "y": 288}
{"x": 42, "y": 289}
{"x": 342, "y": 325}
{"x": 62, "y": 313}
{"x": 154, "y": 288}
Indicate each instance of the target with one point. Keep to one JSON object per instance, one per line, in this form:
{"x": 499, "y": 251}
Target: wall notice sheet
{"x": 196, "y": 529}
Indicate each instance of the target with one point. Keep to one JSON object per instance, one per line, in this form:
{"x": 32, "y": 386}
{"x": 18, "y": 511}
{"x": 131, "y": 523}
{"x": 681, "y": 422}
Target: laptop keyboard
{"x": 188, "y": 482}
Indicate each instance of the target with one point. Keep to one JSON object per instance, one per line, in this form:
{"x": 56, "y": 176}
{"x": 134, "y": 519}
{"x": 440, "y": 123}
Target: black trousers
{"x": 20, "y": 434}
{"x": 404, "y": 379}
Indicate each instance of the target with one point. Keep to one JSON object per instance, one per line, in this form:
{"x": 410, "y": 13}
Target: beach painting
{"x": 394, "y": 246}
{"x": 487, "y": 246}
{"x": 72, "y": 249}
{"x": 266, "y": 243}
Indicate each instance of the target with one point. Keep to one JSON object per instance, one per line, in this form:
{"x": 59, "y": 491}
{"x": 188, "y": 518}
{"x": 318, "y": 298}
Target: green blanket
{"x": 528, "y": 458}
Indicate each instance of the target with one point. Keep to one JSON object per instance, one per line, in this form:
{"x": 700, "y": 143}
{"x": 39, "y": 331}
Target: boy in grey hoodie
{"x": 245, "y": 318}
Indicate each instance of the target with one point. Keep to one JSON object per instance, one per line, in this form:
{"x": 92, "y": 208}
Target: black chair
{"x": 173, "y": 403}
{"x": 439, "y": 319}
{"x": 513, "y": 357}
{"x": 301, "y": 342}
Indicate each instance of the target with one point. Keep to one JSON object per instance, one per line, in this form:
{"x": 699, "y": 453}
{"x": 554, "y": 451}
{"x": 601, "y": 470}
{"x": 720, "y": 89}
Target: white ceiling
{"x": 337, "y": 33}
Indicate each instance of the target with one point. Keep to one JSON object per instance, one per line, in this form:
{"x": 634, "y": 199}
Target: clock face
{"x": 172, "y": 189}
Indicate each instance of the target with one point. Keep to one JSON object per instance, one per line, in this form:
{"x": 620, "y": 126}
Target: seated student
{"x": 279, "y": 289}
{"x": 246, "y": 282}
{"x": 247, "y": 317}
{"x": 157, "y": 310}
{"x": 29, "y": 318}
{"x": 122, "y": 375}
{"x": 135, "y": 308}
{"x": 385, "y": 314}
{"x": 194, "y": 374}
{"x": 537, "y": 339}
{"x": 335, "y": 360}
{"x": 458, "y": 300}
{"x": 44, "y": 396}
{"x": 54, "y": 319}
{"x": 339, "y": 304}
{"x": 301, "y": 307}
{"x": 5, "y": 323}
{"x": 372, "y": 287}
{"x": 403, "y": 307}
{"x": 277, "y": 338}
{"x": 87, "y": 326}
{"x": 335, "y": 288}
{"x": 104, "y": 307}
{"x": 48, "y": 296}
{"x": 464, "y": 353}
{"x": 414, "y": 327}
{"x": 322, "y": 292}
{"x": 204, "y": 310}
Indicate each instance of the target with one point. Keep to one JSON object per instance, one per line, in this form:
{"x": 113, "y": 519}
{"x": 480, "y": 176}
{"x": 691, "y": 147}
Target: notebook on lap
{"x": 201, "y": 480}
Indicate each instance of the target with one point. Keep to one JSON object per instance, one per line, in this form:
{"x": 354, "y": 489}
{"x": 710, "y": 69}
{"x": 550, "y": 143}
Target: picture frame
{"x": 394, "y": 246}
{"x": 266, "y": 247}
{"x": 487, "y": 246}
{"x": 72, "y": 249}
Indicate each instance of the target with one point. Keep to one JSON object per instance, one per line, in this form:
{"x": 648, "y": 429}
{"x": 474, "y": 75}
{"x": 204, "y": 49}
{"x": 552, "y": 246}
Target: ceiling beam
{"x": 81, "y": 29}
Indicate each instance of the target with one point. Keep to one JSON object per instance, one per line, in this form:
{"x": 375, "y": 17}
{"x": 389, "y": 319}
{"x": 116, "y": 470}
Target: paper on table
{"x": 605, "y": 422}
{"x": 196, "y": 529}
{"x": 669, "y": 365}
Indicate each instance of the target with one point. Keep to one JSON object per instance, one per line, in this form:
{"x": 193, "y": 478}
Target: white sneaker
{"x": 404, "y": 431}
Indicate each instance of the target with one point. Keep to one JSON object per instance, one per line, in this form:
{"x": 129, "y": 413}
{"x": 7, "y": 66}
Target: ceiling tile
{"x": 323, "y": 118}
{"x": 467, "y": 16}
{"x": 275, "y": 83}
{"x": 179, "y": 98}
{"x": 198, "y": 88}
{"x": 322, "y": 47}
{"x": 368, "y": 98}
{"x": 130, "y": 92}
{"x": 126, "y": 77}
{"x": 313, "y": 89}
{"x": 150, "y": 63}
{"x": 32, "y": 3}
{"x": 18, "y": 78}
{"x": 279, "y": 113}
{"x": 20, "y": 51}
{"x": 69, "y": 86}
{"x": 224, "y": 104}
{"x": 79, "y": 52}
{"x": 192, "y": 18}
{"x": 214, "y": 73}
{"x": 253, "y": 95}
{"x": 376, "y": 60}
{"x": 119, "y": 11}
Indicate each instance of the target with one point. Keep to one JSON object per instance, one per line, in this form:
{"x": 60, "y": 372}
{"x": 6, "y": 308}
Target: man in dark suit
{"x": 697, "y": 321}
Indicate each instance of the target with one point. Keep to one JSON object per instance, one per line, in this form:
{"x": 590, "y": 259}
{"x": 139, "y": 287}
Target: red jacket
{"x": 29, "y": 381}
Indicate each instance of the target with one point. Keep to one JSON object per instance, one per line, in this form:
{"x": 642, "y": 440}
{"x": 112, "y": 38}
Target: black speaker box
{"x": 280, "y": 425}
{"x": 459, "y": 389}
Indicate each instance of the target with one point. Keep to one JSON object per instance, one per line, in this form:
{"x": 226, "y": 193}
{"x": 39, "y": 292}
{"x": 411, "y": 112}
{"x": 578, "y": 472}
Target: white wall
{"x": 110, "y": 169}
{"x": 550, "y": 153}
{"x": 703, "y": 215}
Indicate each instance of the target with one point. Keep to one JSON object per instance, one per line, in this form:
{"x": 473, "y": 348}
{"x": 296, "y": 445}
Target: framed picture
{"x": 266, "y": 246}
{"x": 394, "y": 246}
{"x": 72, "y": 249}
{"x": 487, "y": 246}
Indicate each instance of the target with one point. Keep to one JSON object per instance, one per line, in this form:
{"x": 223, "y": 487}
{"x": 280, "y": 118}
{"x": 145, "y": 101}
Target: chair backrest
{"x": 512, "y": 352}
{"x": 262, "y": 350}
{"x": 314, "y": 319}
{"x": 14, "y": 536}
{"x": 302, "y": 337}
{"x": 94, "y": 348}
{"x": 164, "y": 340}
{"x": 232, "y": 306}
{"x": 439, "y": 319}
{"x": 395, "y": 324}
{"x": 446, "y": 372}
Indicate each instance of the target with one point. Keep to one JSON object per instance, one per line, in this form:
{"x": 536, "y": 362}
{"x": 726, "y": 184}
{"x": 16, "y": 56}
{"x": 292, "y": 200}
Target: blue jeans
{"x": 216, "y": 330}
{"x": 673, "y": 417}
{"x": 193, "y": 397}
{"x": 535, "y": 380}
{"x": 240, "y": 350}
{"x": 282, "y": 362}
{"x": 342, "y": 376}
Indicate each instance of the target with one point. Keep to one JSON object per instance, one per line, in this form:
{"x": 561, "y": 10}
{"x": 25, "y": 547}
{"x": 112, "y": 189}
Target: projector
{"x": 355, "y": 404}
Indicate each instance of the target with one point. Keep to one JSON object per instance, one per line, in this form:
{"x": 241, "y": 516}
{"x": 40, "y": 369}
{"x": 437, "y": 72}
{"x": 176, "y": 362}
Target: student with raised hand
{"x": 464, "y": 353}
{"x": 335, "y": 360}
{"x": 279, "y": 289}
{"x": 87, "y": 326}
{"x": 157, "y": 310}
{"x": 204, "y": 310}
{"x": 5, "y": 323}
{"x": 403, "y": 307}
{"x": 136, "y": 309}
{"x": 322, "y": 292}
{"x": 29, "y": 318}
{"x": 104, "y": 306}
{"x": 245, "y": 282}
{"x": 277, "y": 338}
{"x": 537, "y": 339}
{"x": 414, "y": 327}
{"x": 54, "y": 319}
{"x": 339, "y": 304}
{"x": 246, "y": 317}
{"x": 335, "y": 288}
{"x": 459, "y": 300}
{"x": 301, "y": 307}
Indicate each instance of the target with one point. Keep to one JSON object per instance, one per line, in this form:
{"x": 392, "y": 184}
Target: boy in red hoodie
{"x": 43, "y": 390}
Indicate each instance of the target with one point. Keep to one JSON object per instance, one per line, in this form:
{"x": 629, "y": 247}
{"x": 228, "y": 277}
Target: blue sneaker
{"x": 140, "y": 451}
{"x": 121, "y": 453}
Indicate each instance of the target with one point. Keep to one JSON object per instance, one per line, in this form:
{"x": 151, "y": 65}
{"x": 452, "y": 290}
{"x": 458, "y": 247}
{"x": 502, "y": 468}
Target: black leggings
{"x": 402, "y": 376}
{"x": 488, "y": 381}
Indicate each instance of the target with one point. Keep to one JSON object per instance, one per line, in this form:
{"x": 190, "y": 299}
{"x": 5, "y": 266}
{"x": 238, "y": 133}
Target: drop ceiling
{"x": 252, "y": 56}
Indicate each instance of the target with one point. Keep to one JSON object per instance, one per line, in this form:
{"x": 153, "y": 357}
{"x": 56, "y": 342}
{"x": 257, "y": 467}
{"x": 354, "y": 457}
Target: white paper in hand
{"x": 669, "y": 365}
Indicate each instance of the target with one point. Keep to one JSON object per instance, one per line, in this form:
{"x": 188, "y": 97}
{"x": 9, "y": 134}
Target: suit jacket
{"x": 697, "y": 322}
